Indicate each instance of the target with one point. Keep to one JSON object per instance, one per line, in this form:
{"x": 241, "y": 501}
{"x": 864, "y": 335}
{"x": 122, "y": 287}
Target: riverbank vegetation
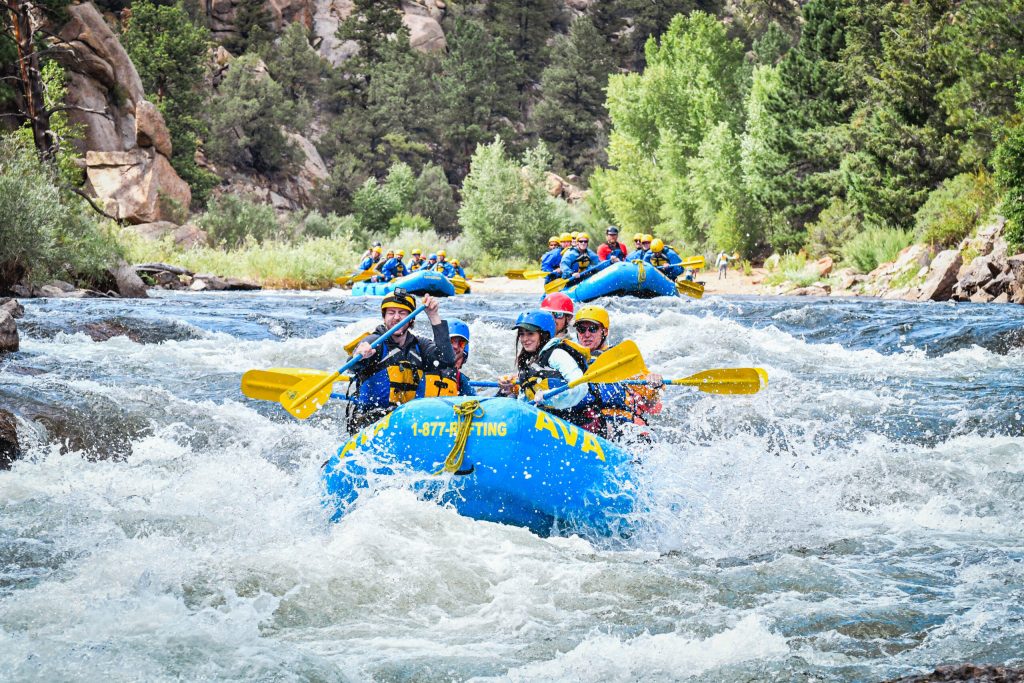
{"x": 830, "y": 127}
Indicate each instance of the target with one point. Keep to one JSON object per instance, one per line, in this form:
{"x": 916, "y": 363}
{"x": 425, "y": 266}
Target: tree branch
{"x": 97, "y": 209}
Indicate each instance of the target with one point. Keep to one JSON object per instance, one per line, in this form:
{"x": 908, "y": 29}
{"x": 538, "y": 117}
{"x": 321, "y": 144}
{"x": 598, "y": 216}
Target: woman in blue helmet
{"x": 450, "y": 382}
{"x": 544, "y": 362}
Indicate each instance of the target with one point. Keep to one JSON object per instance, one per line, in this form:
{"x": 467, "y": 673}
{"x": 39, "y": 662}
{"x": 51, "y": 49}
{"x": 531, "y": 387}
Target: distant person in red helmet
{"x": 560, "y": 306}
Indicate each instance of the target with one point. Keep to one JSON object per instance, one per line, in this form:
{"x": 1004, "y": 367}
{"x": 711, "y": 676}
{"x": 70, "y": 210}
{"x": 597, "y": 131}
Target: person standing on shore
{"x": 722, "y": 263}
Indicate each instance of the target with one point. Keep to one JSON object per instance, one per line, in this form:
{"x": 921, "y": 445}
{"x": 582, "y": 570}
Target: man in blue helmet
{"x": 389, "y": 375}
{"x": 450, "y": 382}
{"x": 431, "y": 263}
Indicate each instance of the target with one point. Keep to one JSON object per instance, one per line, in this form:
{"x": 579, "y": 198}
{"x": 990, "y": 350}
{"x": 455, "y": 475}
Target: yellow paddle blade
{"x": 365, "y": 275}
{"x": 343, "y": 279}
{"x": 727, "y": 380}
{"x": 690, "y": 289}
{"x": 555, "y": 286}
{"x": 461, "y": 286}
{"x": 695, "y": 262}
{"x": 268, "y": 385}
{"x": 351, "y": 346}
{"x": 515, "y": 274}
{"x": 525, "y": 274}
{"x": 308, "y": 395}
{"x": 620, "y": 362}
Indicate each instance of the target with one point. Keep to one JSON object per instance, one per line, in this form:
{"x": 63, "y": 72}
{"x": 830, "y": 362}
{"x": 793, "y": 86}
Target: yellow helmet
{"x": 637, "y": 237}
{"x": 398, "y": 299}
{"x": 574, "y": 234}
{"x": 375, "y": 250}
{"x": 400, "y": 253}
{"x": 595, "y": 314}
{"x": 553, "y": 240}
{"x": 647, "y": 238}
{"x": 442, "y": 252}
{"x": 455, "y": 262}
{"x": 582, "y": 236}
{"x": 565, "y": 237}
{"x": 657, "y": 245}
{"x": 416, "y": 251}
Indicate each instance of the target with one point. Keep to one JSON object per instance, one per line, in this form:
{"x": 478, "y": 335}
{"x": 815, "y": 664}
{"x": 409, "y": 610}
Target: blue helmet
{"x": 537, "y": 321}
{"x": 457, "y": 328}
{"x": 432, "y": 257}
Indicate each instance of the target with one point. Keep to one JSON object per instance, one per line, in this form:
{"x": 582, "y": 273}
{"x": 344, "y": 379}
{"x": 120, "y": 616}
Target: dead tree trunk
{"x": 30, "y": 78}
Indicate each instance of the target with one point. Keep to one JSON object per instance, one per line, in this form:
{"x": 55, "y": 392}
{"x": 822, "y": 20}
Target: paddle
{"x": 691, "y": 289}
{"x": 268, "y": 385}
{"x": 460, "y": 284}
{"x": 526, "y": 274}
{"x": 358, "y": 277}
{"x": 618, "y": 363}
{"x": 307, "y": 396}
{"x": 721, "y": 381}
{"x": 559, "y": 285}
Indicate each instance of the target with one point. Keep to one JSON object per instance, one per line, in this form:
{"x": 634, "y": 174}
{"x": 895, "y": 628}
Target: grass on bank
{"x": 310, "y": 263}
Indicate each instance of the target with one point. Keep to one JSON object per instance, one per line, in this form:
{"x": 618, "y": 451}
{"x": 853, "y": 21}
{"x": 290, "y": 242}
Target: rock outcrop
{"x": 9, "y": 340}
{"x": 10, "y": 450}
{"x": 127, "y": 144}
{"x": 964, "y": 673}
{"x": 942, "y": 272}
{"x": 421, "y": 17}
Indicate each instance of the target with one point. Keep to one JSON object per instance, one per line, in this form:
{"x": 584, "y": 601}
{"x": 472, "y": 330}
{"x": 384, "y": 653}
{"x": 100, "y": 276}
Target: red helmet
{"x": 557, "y": 303}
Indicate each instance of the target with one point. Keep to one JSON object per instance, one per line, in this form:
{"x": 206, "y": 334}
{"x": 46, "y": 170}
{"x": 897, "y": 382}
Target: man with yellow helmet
{"x": 457, "y": 270}
{"x": 551, "y": 258}
{"x": 394, "y": 268}
{"x": 579, "y": 259}
{"x": 443, "y": 266}
{"x": 664, "y": 258}
{"x": 389, "y": 375}
{"x": 417, "y": 261}
{"x": 371, "y": 260}
{"x": 618, "y": 404}
{"x": 645, "y": 248}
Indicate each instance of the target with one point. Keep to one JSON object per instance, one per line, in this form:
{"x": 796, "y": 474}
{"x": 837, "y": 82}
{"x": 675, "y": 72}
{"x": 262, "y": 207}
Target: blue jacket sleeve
{"x": 568, "y": 263}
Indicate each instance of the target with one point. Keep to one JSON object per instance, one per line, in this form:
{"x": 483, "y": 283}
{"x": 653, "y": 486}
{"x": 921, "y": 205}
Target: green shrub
{"x": 836, "y": 225}
{"x": 505, "y": 206}
{"x": 791, "y": 268}
{"x": 407, "y": 221}
{"x": 433, "y": 198}
{"x": 232, "y": 220}
{"x": 875, "y": 246}
{"x": 46, "y": 233}
{"x": 1009, "y": 165}
{"x": 316, "y": 224}
{"x": 954, "y": 210}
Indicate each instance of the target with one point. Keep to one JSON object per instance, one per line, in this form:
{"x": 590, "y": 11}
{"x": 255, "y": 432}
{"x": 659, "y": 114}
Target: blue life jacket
{"x": 366, "y": 263}
{"x": 457, "y": 270}
{"x": 393, "y": 268}
{"x": 551, "y": 260}
{"x": 576, "y": 261}
{"x": 444, "y": 268}
{"x": 637, "y": 255}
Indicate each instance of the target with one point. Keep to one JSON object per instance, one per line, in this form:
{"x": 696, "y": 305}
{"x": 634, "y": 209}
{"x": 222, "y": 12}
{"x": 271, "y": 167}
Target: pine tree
{"x": 526, "y": 27}
{"x": 570, "y": 114}
{"x": 475, "y": 102}
{"x": 370, "y": 26}
{"x": 169, "y": 51}
{"x": 254, "y": 28}
{"x": 802, "y": 133}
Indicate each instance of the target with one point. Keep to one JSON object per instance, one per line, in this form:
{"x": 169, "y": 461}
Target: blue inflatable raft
{"x": 517, "y": 465}
{"x": 624, "y": 279}
{"x": 420, "y": 282}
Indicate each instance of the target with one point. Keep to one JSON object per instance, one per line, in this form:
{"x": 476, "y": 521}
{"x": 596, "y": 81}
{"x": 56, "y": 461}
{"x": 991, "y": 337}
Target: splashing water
{"x": 860, "y": 519}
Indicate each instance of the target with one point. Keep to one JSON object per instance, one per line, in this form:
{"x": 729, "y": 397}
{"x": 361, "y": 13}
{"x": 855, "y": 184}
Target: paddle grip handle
{"x": 486, "y": 385}
{"x": 382, "y": 338}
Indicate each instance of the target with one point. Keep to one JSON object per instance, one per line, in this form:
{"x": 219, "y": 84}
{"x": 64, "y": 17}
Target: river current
{"x": 860, "y": 519}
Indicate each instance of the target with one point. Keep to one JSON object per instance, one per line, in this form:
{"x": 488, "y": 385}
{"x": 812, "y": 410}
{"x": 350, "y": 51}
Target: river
{"x": 860, "y": 519}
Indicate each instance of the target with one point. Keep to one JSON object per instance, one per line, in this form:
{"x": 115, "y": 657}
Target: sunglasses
{"x": 582, "y": 241}
{"x": 588, "y": 329}
{"x": 559, "y": 315}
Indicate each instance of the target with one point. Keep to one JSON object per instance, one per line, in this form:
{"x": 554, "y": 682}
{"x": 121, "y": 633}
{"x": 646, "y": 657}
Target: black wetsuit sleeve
{"x": 368, "y": 366}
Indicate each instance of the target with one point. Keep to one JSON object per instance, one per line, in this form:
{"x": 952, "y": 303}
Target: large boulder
{"x": 11, "y": 307}
{"x": 425, "y": 33}
{"x": 129, "y": 284}
{"x": 942, "y": 276}
{"x": 10, "y": 450}
{"x": 150, "y": 129}
{"x": 103, "y": 87}
{"x": 138, "y": 185}
{"x": 9, "y": 341}
{"x": 421, "y": 17}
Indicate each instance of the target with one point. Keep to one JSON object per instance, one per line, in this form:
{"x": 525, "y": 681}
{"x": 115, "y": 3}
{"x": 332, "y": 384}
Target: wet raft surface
{"x": 861, "y": 519}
